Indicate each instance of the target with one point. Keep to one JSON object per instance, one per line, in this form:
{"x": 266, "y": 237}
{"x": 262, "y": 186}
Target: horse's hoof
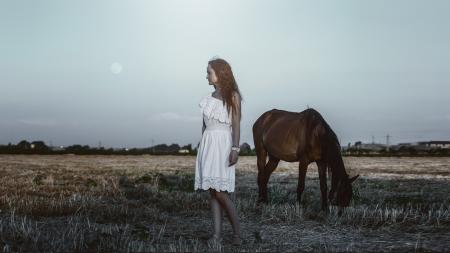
{"x": 261, "y": 201}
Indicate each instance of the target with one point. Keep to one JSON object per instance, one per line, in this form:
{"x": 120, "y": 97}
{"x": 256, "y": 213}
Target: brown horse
{"x": 304, "y": 137}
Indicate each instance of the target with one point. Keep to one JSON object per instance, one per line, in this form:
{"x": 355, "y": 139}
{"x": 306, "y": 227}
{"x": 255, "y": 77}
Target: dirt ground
{"x": 70, "y": 203}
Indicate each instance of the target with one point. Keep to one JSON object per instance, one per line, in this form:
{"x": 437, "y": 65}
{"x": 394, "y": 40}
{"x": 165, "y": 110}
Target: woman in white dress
{"x": 219, "y": 147}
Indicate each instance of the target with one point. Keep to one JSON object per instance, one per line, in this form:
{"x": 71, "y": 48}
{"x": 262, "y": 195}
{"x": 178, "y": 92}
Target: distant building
{"x": 435, "y": 144}
{"x": 120, "y": 149}
{"x": 57, "y": 148}
{"x": 183, "y": 151}
{"x": 404, "y": 146}
{"x": 373, "y": 146}
{"x": 366, "y": 146}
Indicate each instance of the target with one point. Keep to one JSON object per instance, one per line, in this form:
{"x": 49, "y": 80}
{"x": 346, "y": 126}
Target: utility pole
{"x": 373, "y": 139}
{"x": 387, "y": 142}
{"x": 153, "y": 148}
{"x": 99, "y": 144}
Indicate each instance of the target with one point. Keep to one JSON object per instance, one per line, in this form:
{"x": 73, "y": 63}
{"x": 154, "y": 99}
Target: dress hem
{"x": 218, "y": 184}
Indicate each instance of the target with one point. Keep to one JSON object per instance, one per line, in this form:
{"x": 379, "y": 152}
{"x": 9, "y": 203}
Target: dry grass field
{"x": 69, "y": 203}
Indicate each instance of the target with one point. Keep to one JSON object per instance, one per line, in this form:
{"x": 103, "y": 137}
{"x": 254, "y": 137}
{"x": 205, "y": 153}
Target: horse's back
{"x": 277, "y": 131}
{"x": 273, "y": 114}
{"x": 267, "y": 119}
{"x": 288, "y": 135}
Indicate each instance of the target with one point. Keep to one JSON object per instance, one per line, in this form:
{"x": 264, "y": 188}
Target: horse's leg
{"x": 261, "y": 157}
{"x": 268, "y": 169}
{"x": 322, "y": 167}
{"x": 261, "y": 154}
{"x": 263, "y": 177}
{"x": 302, "y": 167}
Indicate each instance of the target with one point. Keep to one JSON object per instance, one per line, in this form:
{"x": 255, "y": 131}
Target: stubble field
{"x": 69, "y": 203}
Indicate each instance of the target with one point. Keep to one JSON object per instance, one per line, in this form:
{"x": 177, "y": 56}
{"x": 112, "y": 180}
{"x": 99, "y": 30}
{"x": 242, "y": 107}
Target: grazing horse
{"x": 304, "y": 137}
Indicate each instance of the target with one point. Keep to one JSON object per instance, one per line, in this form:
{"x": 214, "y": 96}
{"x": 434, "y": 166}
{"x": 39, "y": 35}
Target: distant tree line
{"x": 39, "y": 147}
{"x": 400, "y": 151}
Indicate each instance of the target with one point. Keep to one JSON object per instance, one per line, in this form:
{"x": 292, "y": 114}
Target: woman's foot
{"x": 237, "y": 241}
{"x": 214, "y": 240}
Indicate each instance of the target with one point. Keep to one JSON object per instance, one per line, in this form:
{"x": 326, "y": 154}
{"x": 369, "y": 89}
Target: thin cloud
{"x": 34, "y": 122}
{"x": 39, "y": 122}
{"x": 172, "y": 116}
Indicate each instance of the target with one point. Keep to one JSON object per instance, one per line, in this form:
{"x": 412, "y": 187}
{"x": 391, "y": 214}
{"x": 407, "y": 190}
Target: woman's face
{"x": 211, "y": 75}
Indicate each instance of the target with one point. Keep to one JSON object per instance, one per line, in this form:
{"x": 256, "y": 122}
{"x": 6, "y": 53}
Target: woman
{"x": 219, "y": 147}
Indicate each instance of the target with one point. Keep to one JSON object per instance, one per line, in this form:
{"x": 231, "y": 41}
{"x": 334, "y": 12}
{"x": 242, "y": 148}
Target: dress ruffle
{"x": 217, "y": 183}
{"x": 213, "y": 108}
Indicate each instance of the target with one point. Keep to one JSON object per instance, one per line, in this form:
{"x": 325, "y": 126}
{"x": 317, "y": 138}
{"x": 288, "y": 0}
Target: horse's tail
{"x": 261, "y": 152}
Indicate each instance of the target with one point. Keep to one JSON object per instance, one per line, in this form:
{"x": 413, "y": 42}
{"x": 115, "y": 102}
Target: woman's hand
{"x": 232, "y": 159}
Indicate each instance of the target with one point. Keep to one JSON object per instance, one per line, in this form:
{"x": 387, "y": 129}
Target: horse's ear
{"x": 353, "y": 178}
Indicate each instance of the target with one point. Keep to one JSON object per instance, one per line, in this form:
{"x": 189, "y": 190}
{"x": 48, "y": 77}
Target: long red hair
{"x": 227, "y": 83}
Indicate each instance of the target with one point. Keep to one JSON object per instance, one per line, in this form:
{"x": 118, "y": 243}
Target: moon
{"x": 116, "y": 68}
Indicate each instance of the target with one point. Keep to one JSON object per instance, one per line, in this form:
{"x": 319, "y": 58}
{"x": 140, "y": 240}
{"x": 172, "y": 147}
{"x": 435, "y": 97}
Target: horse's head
{"x": 343, "y": 193}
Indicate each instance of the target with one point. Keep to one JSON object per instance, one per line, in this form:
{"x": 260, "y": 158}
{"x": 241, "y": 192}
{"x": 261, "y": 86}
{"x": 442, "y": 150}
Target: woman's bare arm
{"x": 204, "y": 126}
{"x": 236, "y": 120}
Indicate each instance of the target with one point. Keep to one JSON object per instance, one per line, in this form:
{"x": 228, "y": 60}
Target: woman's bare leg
{"x": 217, "y": 213}
{"x": 225, "y": 202}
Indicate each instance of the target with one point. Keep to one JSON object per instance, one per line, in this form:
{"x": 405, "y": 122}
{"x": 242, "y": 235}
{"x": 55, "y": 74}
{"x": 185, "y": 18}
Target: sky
{"x": 131, "y": 73}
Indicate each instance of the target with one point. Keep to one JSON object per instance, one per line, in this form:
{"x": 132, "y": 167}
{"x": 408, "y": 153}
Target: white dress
{"x": 211, "y": 166}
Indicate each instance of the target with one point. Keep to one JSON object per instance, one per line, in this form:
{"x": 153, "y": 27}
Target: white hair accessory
{"x": 215, "y": 57}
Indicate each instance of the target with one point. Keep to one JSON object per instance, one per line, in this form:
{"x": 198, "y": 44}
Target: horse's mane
{"x": 332, "y": 147}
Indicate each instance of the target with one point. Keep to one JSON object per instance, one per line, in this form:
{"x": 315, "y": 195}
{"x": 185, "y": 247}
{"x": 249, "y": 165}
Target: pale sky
{"x": 129, "y": 72}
